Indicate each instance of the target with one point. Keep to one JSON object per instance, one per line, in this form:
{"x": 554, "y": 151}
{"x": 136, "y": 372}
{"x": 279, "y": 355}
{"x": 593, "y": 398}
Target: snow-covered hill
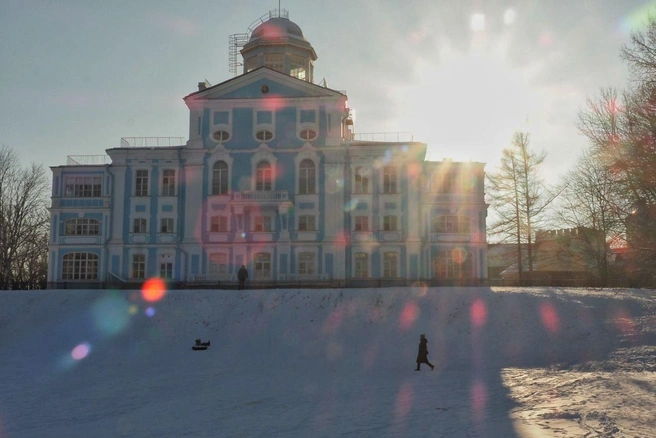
{"x": 292, "y": 363}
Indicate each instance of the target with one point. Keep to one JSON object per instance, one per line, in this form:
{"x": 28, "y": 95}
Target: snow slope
{"x": 531, "y": 362}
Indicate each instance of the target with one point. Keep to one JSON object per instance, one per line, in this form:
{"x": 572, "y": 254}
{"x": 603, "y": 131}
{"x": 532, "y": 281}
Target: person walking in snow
{"x": 242, "y": 275}
{"x": 422, "y": 355}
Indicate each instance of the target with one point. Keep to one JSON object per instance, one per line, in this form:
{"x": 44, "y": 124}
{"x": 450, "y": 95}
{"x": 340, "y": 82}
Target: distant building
{"x": 272, "y": 176}
{"x": 564, "y": 257}
{"x": 641, "y": 245}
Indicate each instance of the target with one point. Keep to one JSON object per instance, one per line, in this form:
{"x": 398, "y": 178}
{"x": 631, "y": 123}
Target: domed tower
{"x": 279, "y": 44}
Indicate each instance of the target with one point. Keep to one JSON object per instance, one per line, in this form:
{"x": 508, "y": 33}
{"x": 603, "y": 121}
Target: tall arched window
{"x": 80, "y": 266}
{"x": 263, "y": 177}
{"x": 307, "y": 178}
{"x": 456, "y": 263}
{"x": 220, "y": 178}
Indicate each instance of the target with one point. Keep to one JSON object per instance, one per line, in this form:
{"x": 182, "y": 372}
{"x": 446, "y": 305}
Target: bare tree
{"x": 621, "y": 128}
{"x": 23, "y": 222}
{"x": 519, "y": 197}
{"x": 589, "y": 202}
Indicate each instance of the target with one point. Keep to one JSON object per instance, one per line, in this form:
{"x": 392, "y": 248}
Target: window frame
{"x": 167, "y": 225}
{"x": 307, "y": 177}
{"x": 78, "y": 226}
{"x": 141, "y": 183}
{"x": 169, "y": 187}
{"x": 80, "y": 266}
{"x": 264, "y": 176}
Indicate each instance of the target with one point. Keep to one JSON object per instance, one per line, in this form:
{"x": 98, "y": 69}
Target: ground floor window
{"x": 218, "y": 263}
{"x": 361, "y": 265}
{"x": 80, "y": 266}
{"x": 138, "y": 266}
{"x": 166, "y": 270}
{"x": 306, "y": 263}
{"x": 389, "y": 264}
{"x": 455, "y": 263}
{"x": 263, "y": 265}
{"x": 166, "y": 266}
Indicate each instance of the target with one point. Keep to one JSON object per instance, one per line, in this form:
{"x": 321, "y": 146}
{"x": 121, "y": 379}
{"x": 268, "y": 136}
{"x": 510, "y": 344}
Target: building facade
{"x": 273, "y": 177}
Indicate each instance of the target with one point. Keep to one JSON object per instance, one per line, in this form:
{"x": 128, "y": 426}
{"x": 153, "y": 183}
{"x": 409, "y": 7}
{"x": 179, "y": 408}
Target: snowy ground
{"x": 539, "y": 362}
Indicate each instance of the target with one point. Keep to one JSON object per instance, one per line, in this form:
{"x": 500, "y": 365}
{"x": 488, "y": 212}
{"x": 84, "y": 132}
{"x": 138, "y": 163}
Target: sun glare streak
{"x": 153, "y": 289}
{"x": 478, "y": 396}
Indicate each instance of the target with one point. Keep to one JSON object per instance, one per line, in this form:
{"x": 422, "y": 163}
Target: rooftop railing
{"x": 87, "y": 160}
{"x": 151, "y": 142}
{"x": 384, "y": 136}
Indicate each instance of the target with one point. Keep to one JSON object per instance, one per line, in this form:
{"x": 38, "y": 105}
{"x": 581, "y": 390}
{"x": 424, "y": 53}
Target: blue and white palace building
{"x": 274, "y": 177}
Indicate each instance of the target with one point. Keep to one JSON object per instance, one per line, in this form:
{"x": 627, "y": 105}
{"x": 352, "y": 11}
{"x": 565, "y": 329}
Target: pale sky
{"x": 462, "y": 76}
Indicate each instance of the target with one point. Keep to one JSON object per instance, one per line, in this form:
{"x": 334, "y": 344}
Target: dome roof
{"x": 277, "y": 28}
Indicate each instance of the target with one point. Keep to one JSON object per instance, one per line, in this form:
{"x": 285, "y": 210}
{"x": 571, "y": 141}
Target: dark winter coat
{"x": 422, "y": 354}
{"x": 242, "y": 275}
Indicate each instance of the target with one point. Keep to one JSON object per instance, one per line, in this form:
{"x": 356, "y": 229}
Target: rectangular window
{"x": 389, "y": 179}
{"x": 138, "y": 266}
{"x": 218, "y": 264}
{"x": 361, "y": 265}
{"x": 389, "y": 264}
{"x": 166, "y": 270}
{"x": 389, "y": 223}
{"x": 141, "y": 183}
{"x": 139, "y": 226}
{"x": 264, "y": 118}
{"x": 297, "y": 67}
{"x": 274, "y": 61}
{"x": 306, "y": 223}
{"x": 308, "y": 116}
{"x": 83, "y": 186}
{"x": 263, "y": 223}
{"x": 263, "y": 265}
{"x": 362, "y": 223}
{"x": 452, "y": 224}
{"x": 221, "y": 118}
{"x": 80, "y": 266}
{"x": 306, "y": 263}
{"x": 168, "y": 182}
{"x": 219, "y": 224}
{"x": 361, "y": 181}
{"x": 82, "y": 227}
{"x": 166, "y": 225}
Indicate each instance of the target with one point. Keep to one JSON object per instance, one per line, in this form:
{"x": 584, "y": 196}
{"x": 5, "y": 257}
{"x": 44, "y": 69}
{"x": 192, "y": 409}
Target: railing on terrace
{"x": 151, "y": 142}
{"x": 87, "y": 160}
{"x": 279, "y": 195}
{"x": 384, "y": 136}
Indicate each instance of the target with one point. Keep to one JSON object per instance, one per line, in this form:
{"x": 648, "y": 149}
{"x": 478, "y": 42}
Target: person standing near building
{"x": 242, "y": 275}
{"x": 422, "y": 354}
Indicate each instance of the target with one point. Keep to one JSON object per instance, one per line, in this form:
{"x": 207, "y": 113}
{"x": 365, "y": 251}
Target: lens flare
{"x": 409, "y": 315}
{"x": 81, "y": 351}
{"x": 477, "y": 22}
{"x": 404, "y": 401}
{"x": 153, "y": 289}
{"x": 150, "y": 312}
{"x": 111, "y": 314}
{"x": 549, "y": 317}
